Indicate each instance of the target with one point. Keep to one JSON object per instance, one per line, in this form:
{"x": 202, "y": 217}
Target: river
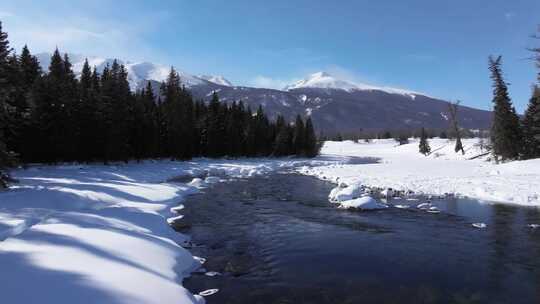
{"x": 277, "y": 239}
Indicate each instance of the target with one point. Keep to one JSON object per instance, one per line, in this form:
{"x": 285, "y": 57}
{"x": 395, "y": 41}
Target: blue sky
{"x": 436, "y": 47}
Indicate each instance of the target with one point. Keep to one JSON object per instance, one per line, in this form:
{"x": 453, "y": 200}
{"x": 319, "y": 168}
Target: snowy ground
{"x": 443, "y": 171}
{"x": 100, "y": 234}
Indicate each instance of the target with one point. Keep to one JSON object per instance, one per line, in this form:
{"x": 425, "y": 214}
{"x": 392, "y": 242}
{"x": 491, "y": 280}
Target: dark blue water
{"x": 277, "y": 239}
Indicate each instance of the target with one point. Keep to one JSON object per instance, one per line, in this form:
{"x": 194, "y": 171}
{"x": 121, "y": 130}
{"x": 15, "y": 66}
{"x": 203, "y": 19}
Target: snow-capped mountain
{"x": 218, "y": 79}
{"x": 323, "y": 80}
{"x": 138, "y": 72}
{"x": 334, "y": 104}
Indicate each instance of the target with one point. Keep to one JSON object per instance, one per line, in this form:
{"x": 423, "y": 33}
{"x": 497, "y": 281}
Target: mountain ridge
{"x": 335, "y": 105}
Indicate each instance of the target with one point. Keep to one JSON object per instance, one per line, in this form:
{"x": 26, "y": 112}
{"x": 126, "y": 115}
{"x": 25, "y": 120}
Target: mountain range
{"x": 335, "y": 105}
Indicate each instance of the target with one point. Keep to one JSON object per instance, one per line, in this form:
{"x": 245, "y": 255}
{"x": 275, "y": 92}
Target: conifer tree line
{"x": 53, "y": 116}
{"x": 514, "y": 137}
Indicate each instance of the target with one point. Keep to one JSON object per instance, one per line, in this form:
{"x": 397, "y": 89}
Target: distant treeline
{"x": 410, "y": 133}
{"x": 53, "y": 116}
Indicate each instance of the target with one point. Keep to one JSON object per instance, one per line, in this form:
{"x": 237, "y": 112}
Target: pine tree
{"x": 536, "y": 54}
{"x": 531, "y": 120}
{"x": 6, "y": 157}
{"x": 531, "y": 126}
{"x": 29, "y": 72}
{"x": 299, "y": 136}
{"x": 215, "y": 126}
{"x": 30, "y": 68}
{"x": 453, "y": 110}
{"x": 505, "y": 131}
{"x": 86, "y": 112}
{"x": 311, "y": 146}
{"x": 262, "y": 136}
{"x": 174, "y": 112}
{"x": 188, "y": 128}
{"x": 150, "y": 121}
{"x": 7, "y": 88}
{"x": 282, "y": 143}
{"x": 424, "y": 147}
{"x": 116, "y": 106}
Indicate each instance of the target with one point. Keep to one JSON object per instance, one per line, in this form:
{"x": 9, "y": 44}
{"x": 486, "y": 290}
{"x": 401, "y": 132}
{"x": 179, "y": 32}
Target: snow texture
{"x": 403, "y": 168}
{"x": 99, "y": 234}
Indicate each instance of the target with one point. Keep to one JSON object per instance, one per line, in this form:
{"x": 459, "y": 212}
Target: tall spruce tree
{"x": 424, "y": 147}
{"x": 531, "y": 119}
{"x": 299, "y": 136}
{"x": 174, "y": 112}
{"x": 116, "y": 98}
{"x": 311, "y": 145}
{"x": 215, "y": 128}
{"x": 531, "y": 126}
{"x": 29, "y": 72}
{"x": 5, "y": 155}
{"x": 86, "y": 112}
{"x": 505, "y": 132}
{"x": 453, "y": 110}
{"x": 282, "y": 145}
{"x": 536, "y": 54}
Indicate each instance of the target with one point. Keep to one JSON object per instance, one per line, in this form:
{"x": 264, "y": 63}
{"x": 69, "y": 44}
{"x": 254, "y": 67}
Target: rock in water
{"x": 479, "y": 225}
{"x": 434, "y": 210}
{"x": 424, "y": 206}
{"x": 197, "y": 183}
{"x": 212, "y": 180}
{"x": 402, "y": 206}
{"x": 208, "y": 292}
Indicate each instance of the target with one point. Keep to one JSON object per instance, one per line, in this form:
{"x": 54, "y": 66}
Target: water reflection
{"x": 278, "y": 240}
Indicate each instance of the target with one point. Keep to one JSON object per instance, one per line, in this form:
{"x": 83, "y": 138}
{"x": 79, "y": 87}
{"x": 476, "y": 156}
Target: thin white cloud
{"x": 509, "y": 16}
{"x": 80, "y": 34}
{"x": 4, "y": 14}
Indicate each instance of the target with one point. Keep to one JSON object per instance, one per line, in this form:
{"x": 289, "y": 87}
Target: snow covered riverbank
{"x": 443, "y": 171}
{"x": 99, "y": 234}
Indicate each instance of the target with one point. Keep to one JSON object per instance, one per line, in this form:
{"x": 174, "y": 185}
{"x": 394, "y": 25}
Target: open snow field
{"x": 443, "y": 171}
{"x": 100, "y": 234}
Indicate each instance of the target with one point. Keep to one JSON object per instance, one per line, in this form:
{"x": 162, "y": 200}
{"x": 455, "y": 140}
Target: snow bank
{"x": 345, "y": 193}
{"x": 363, "y": 203}
{"x": 402, "y": 168}
{"x": 99, "y": 234}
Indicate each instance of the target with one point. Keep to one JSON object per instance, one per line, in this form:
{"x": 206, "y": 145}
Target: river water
{"x": 277, "y": 239}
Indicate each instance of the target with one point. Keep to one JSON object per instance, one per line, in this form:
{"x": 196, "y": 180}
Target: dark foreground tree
{"x": 5, "y": 90}
{"x": 536, "y": 54}
{"x": 505, "y": 131}
{"x": 531, "y": 126}
{"x": 299, "y": 136}
{"x": 424, "y": 147}
{"x": 453, "y": 109}
{"x": 311, "y": 145}
{"x": 531, "y": 120}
